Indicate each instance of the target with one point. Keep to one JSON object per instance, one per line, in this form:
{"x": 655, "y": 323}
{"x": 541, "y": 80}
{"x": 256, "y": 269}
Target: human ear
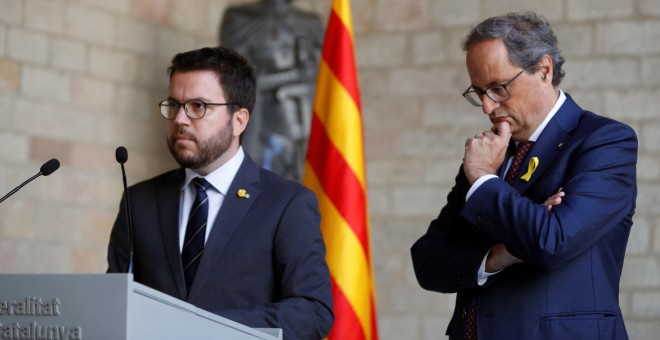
{"x": 545, "y": 68}
{"x": 240, "y": 121}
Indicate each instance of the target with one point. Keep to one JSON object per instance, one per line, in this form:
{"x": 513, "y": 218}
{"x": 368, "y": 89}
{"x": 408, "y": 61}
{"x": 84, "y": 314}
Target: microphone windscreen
{"x": 50, "y": 167}
{"x": 121, "y": 154}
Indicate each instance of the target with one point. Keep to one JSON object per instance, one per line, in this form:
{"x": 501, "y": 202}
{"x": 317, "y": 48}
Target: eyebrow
{"x": 492, "y": 83}
{"x": 202, "y": 99}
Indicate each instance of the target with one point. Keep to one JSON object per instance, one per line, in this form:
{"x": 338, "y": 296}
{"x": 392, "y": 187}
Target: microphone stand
{"x": 129, "y": 267}
{"x": 45, "y": 170}
{"x": 122, "y": 156}
{"x": 19, "y": 187}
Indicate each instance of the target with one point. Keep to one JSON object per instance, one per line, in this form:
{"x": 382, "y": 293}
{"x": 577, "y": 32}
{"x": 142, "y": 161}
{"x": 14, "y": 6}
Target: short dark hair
{"x": 527, "y": 37}
{"x": 237, "y": 78}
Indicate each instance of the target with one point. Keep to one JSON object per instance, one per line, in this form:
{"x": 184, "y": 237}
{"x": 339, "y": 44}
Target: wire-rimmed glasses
{"x": 497, "y": 93}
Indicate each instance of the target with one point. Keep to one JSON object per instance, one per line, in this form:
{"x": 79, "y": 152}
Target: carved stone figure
{"x": 284, "y": 44}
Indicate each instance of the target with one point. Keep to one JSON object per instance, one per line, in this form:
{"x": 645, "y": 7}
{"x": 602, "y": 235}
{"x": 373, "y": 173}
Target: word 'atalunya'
{"x": 33, "y": 331}
{"x": 30, "y": 306}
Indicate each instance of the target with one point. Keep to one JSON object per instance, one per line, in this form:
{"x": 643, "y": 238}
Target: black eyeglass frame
{"x": 167, "y": 102}
{"x": 480, "y": 94}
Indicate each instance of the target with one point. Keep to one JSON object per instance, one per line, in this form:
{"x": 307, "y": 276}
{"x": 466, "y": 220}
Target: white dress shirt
{"x": 220, "y": 180}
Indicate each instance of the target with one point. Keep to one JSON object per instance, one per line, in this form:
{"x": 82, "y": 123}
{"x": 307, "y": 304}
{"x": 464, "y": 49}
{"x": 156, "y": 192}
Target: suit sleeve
{"x": 447, "y": 258}
{"x": 118, "y": 247}
{"x": 304, "y": 310}
{"x": 599, "y": 180}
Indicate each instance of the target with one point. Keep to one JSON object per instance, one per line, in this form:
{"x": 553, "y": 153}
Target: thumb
{"x": 502, "y": 129}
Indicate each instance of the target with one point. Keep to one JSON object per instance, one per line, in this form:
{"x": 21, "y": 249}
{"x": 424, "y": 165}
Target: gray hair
{"x": 527, "y": 37}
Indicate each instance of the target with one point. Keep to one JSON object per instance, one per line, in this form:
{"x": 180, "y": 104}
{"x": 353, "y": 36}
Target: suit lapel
{"x": 555, "y": 135}
{"x": 229, "y": 219}
{"x": 168, "y": 213}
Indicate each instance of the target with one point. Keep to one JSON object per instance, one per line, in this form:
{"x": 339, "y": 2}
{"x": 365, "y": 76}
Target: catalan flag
{"x": 335, "y": 170}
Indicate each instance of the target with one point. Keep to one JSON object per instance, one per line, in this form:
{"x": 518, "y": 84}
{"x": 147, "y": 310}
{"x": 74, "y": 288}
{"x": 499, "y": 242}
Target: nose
{"x": 488, "y": 105}
{"x": 181, "y": 116}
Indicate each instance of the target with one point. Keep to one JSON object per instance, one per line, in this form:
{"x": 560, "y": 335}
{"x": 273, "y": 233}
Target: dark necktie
{"x": 521, "y": 151}
{"x": 193, "y": 244}
{"x": 471, "y": 322}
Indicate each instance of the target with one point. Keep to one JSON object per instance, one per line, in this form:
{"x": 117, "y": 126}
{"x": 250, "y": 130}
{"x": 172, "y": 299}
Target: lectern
{"x": 106, "y": 307}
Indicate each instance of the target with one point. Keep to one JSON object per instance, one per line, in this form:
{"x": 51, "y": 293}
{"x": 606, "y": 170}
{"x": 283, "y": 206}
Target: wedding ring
{"x": 478, "y": 135}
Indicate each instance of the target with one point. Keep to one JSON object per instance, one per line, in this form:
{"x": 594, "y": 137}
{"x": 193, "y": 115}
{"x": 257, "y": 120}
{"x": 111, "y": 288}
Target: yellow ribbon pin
{"x": 533, "y": 163}
{"x": 242, "y": 193}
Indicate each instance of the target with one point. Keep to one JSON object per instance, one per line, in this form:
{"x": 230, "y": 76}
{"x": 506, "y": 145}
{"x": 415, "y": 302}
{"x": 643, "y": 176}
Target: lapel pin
{"x": 533, "y": 163}
{"x": 560, "y": 145}
{"x": 242, "y": 193}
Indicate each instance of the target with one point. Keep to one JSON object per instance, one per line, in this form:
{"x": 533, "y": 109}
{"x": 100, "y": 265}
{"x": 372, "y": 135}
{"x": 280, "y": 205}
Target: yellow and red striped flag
{"x": 335, "y": 171}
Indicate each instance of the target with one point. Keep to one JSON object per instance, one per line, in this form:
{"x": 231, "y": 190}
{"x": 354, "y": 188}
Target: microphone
{"x": 121, "y": 154}
{"x": 49, "y": 167}
{"x": 46, "y": 169}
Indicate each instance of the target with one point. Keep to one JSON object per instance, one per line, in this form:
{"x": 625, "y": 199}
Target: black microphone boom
{"x": 121, "y": 154}
{"x": 46, "y": 169}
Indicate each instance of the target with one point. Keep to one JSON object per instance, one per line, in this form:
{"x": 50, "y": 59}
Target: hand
{"x": 499, "y": 258}
{"x": 485, "y": 152}
{"x": 554, "y": 199}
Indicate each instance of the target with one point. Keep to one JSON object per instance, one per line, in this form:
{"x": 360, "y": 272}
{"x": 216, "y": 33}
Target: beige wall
{"x": 80, "y": 77}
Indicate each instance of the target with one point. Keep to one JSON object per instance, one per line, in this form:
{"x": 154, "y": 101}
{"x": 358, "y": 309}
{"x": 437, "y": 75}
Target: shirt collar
{"x": 221, "y": 177}
{"x": 558, "y": 104}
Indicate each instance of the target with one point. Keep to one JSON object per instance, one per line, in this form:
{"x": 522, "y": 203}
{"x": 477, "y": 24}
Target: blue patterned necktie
{"x": 193, "y": 244}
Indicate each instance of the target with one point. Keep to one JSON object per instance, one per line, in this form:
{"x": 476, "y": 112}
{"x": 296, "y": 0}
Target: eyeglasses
{"x": 498, "y": 93}
{"x": 194, "y": 109}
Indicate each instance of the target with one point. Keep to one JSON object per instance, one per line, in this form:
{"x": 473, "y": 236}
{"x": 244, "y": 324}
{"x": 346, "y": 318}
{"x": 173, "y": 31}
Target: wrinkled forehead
{"x": 488, "y": 63}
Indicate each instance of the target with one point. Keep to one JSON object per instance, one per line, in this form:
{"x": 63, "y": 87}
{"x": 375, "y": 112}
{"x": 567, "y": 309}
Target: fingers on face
{"x": 502, "y": 129}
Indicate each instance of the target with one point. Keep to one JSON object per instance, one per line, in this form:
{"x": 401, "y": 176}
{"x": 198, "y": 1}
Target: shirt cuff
{"x": 477, "y": 184}
{"x": 482, "y": 275}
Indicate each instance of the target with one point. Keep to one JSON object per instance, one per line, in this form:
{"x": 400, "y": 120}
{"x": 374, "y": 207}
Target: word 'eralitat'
{"x": 30, "y": 306}
{"x": 32, "y": 330}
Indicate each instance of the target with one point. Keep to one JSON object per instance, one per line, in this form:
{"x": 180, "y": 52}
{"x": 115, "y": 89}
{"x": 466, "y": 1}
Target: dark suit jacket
{"x": 568, "y": 286}
{"x": 264, "y": 260}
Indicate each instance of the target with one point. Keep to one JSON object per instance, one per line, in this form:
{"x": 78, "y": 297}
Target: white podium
{"x": 106, "y": 306}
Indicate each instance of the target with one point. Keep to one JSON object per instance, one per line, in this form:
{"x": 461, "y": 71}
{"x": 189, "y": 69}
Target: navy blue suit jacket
{"x": 568, "y": 286}
{"x": 264, "y": 260}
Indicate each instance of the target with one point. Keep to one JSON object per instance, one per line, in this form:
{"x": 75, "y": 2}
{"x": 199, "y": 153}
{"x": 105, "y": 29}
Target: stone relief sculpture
{"x": 284, "y": 45}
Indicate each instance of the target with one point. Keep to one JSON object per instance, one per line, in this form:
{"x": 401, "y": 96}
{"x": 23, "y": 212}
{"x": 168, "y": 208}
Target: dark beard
{"x": 209, "y": 150}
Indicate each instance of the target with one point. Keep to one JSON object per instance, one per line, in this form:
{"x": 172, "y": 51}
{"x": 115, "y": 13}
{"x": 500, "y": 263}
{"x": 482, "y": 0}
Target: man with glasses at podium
{"x": 220, "y": 232}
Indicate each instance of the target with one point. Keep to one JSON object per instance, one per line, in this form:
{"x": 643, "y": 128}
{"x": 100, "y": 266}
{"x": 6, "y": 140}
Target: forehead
{"x": 488, "y": 63}
{"x": 195, "y": 85}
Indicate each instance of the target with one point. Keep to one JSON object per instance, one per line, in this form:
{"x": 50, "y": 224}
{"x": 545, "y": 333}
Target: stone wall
{"x": 80, "y": 77}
